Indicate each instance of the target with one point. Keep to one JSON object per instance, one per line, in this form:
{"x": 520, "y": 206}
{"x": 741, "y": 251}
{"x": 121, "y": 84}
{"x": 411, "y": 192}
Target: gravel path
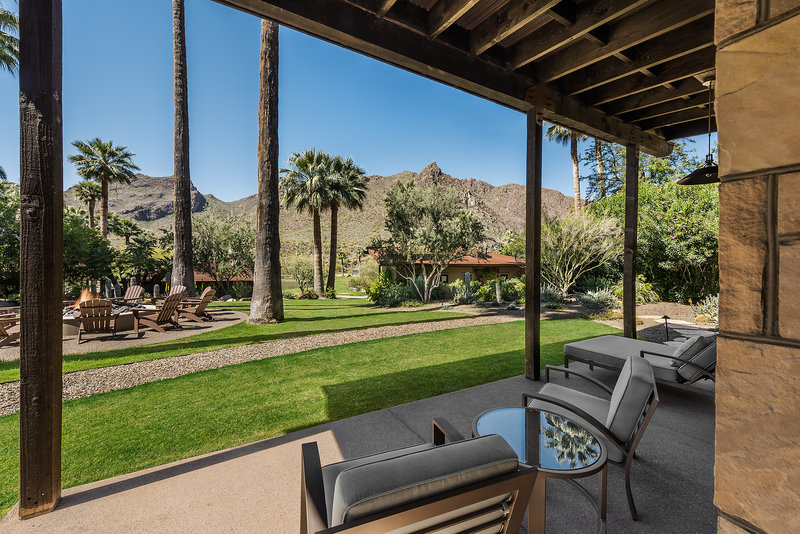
{"x": 80, "y": 384}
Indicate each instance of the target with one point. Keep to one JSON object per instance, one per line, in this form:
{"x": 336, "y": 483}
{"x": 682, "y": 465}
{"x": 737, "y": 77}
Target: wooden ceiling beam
{"x": 696, "y": 101}
{"x": 445, "y": 13}
{"x": 671, "y": 72}
{"x": 564, "y": 13}
{"x": 653, "y": 21}
{"x": 673, "y": 45}
{"x": 682, "y": 90}
{"x": 509, "y": 19}
{"x": 690, "y": 129}
{"x": 552, "y": 37}
{"x": 384, "y": 6}
{"x": 679, "y": 117}
{"x": 356, "y": 29}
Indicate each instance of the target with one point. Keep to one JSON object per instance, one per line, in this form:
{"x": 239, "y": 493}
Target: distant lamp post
{"x": 666, "y": 325}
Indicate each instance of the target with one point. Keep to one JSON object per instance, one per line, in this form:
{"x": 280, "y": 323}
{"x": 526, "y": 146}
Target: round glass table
{"x": 558, "y": 446}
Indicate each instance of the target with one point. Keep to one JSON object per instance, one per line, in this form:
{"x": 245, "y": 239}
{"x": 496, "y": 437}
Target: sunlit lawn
{"x": 127, "y": 430}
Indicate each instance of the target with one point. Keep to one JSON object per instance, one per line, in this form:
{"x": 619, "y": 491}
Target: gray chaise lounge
{"x": 684, "y": 365}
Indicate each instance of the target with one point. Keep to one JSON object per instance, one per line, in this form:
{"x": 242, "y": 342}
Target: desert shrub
{"x": 645, "y": 292}
{"x": 463, "y": 295}
{"x": 291, "y": 294}
{"x": 330, "y": 293}
{"x": 708, "y": 309}
{"x": 599, "y": 299}
{"x": 301, "y": 268}
{"x": 513, "y": 289}
{"x": 379, "y": 287}
{"x": 367, "y": 274}
{"x": 411, "y": 304}
{"x": 607, "y": 275}
{"x": 440, "y": 292}
{"x": 308, "y": 295}
{"x": 486, "y": 291}
{"x": 241, "y": 290}
{"x": 548, "y": 293}
{"x": 386, "y": 291}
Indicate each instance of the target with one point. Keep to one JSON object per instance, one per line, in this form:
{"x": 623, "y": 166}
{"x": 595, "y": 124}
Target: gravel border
{"x": 90, "y": 382}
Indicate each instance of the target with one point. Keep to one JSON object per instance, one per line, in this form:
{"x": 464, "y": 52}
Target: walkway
{"x": 80, "y": 384}
{"x": 256, "y": 487}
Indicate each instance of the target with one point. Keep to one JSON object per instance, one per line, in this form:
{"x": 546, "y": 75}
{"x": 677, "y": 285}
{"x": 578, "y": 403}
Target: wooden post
{"x": 533, "y": 242}
{"x": 41, "y": 255}
{"x": 631, "y": 224}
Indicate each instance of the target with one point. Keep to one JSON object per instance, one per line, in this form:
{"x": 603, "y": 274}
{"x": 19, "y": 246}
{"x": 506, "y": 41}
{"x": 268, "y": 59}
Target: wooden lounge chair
{"x": 468, "y": 485}
{"x": 165, "y": 314}
{"x": 174, "y": 290}
{"x": 132, "y": 296}
{"x": 196, "y": 310}
{"x": 9, "y": 329}
{"x": 96, "y": 317}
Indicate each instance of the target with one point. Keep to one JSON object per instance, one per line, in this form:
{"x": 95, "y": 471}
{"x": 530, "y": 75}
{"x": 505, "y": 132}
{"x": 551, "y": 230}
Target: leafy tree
{"x": 9, "y": 43}
{"x": 563, "y": 136}
{"x": 575, "y": 245}
{"x": 105, "y": 163}
{"x": 678, "y": 242}
{"x": 9, "y": 238}
{"x": 224, "y": 247}
{"x": 89, "y": 193}
{"x": 87, "y": 254}
{"x": 301, "y": 268}
{"x": 513, "y": 244}
{"x": 307, "y": 186}
{"x": 3, "y": 175}
{"x": 348, "y": 190}
{"x": 144, "y": 259}
{"x": 428, "y": 230}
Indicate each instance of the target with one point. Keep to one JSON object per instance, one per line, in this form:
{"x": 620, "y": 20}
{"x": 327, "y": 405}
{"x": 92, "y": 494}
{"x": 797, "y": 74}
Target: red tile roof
{"x": 491, "y": 260}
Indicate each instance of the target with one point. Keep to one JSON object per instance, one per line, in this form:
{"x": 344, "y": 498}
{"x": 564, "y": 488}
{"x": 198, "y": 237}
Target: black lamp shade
{"x": 704, "y": 175}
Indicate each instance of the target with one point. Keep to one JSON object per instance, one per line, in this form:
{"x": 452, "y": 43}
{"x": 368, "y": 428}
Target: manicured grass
{"x": 303, "y": 318}
{"x": 127, "y": 430}
{"x": 340, "y": 286}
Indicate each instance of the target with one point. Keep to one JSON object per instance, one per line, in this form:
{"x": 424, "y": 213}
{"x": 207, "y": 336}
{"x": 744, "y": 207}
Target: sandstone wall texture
{"x": 757, "y": 468}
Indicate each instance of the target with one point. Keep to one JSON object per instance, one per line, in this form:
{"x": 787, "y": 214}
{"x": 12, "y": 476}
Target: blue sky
{"x": 118, "y": 84}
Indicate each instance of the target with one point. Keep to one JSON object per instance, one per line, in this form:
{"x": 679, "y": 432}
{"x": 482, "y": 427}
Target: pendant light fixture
{"x": 709, "y": 173}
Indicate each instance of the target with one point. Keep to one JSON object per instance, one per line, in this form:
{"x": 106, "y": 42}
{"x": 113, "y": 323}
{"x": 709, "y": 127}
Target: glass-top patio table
{"x": 557, "y": 445}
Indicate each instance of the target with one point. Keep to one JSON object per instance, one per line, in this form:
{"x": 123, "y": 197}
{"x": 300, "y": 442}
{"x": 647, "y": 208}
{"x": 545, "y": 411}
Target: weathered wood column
{"x": 631, "y": 229}
{"x": 41, "y": 255}
{"x": 533, "y": 245}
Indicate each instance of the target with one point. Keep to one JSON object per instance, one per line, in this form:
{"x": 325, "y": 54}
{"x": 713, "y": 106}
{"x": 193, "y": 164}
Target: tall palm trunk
{"x": 317, "y": 253}
{"x": 104, "y": 206}
{"x": 576, "y": 177}
{"x": 601, "y": 179}
{"x": 91, "y": 213}
{"x": 182, "y": 265}
{"x": 267, "y": 303}
{"x": 334, "y": 238}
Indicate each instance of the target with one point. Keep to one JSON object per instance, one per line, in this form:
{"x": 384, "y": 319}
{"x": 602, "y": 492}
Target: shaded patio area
{"x": 256, "y": 487}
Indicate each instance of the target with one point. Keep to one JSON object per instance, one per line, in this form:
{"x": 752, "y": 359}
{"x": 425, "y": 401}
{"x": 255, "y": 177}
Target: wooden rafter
{"x": 654, "y": 21}
{"x": 690, "y": 129}
{"x": 683, "y": 89}
{"x": 696, "y": 101}
{"x": 506, "y": 21}
{"x": 552, "y": 37}
{"x": 445, "y": 13}
{"x": 679, "y": 117}
{"x": 384, "y": 6}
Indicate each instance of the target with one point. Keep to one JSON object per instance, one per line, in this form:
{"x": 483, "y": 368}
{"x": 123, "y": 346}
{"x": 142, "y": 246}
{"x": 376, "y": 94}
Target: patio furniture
{"x": 558, "y": 446}
{"x": 96, "y": 316}
{"x": 467, "y": 485}
{"x": 196, "y": 311}
{"x": 681, "y": 366}
{"x": 621, "y": 420}
{"x": 174, "y": 290}
{"x": 163, "y": 315}
{"x": 132, "y": 296}
{"x": 9, "y": 329}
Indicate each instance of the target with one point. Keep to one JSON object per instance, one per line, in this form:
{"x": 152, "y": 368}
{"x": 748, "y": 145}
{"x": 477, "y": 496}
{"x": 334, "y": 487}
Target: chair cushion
{"x": 613, "y": 350}
{"x": 629, "y": 398}
{"x": 689, "y": 348}
{"x": 663, "y": 368}
{"x": 705, "y": 358}
{"x": 376, "y": 485}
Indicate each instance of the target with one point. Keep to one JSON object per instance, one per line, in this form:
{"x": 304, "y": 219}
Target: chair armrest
{"x": 600, "y": 427}
{"x": 9, "y": 320}
{"x": 444, "y": 431}
{"x": 702, "y": 370}
{"x": 560, "y": 369}
{"x": 313, "y": 513}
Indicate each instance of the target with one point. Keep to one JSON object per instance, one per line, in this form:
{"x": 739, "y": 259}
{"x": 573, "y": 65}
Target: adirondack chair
{"x": 132, "y": 296}
{"x": 96, "y": 317}
{"x": 196, "y": 311}
{"x": 165, "y": 314}
{"x": 9, "y": 329}
{"x": 174, "y": 290}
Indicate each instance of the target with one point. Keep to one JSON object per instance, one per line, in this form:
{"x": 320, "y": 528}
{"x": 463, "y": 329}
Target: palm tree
{"x": 601, "y": 179}
{"x": 349, "y": 191}
{"x": 307, "y": 187}
{"x": 105, "y": 163}
{"x": 89, "y": 193}
{"x": 574, "y": 444}
{"x": 562, "y": 136}
{"x": 266, "y": 305}
{"x": 182, "y": 261}
{"x": 3, "y": 174}
{"x": 126, "y": 229}
{"x": 9, "y": 44}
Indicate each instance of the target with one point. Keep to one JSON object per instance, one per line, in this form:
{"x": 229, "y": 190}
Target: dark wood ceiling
{"x": 627, "y": 71}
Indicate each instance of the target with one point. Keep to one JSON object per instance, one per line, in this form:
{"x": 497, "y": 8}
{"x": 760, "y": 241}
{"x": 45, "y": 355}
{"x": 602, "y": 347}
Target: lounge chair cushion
{"x": 612, "y": 350}
{"x": 705, "y": 358}
{"x": 370, "y": 485}
{"x": 629, "y": 398}
{"x": 689, "y": 348}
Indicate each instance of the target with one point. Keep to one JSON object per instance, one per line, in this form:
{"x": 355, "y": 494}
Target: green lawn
{"x": 123, "y": 431}
{"x": 303, "y": 318}
{"x": 340, "y": 286}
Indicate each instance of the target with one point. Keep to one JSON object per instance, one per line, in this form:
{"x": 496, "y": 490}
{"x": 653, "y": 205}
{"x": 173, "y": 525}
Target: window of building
{"x": 444, "y": 279}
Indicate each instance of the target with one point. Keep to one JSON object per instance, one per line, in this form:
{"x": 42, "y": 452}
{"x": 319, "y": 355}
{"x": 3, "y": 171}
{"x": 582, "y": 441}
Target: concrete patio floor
{"x": 255, "y": 487}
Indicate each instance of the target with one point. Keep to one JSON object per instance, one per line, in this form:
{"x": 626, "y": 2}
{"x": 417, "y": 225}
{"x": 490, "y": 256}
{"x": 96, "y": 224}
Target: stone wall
{"x": 757, "y": 469}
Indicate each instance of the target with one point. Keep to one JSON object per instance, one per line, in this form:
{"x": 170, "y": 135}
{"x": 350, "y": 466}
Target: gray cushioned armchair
{"x": 468, "y": 485}
{"x": 621, "y": 420}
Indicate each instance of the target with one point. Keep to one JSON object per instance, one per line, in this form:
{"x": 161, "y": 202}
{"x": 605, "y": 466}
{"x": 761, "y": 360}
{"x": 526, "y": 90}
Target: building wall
{"x": 455, "y": 272}
{"x": 757, "y": 468}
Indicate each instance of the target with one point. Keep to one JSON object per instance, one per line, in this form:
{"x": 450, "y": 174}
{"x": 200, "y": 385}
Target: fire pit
{"x": 71, "y": 314}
